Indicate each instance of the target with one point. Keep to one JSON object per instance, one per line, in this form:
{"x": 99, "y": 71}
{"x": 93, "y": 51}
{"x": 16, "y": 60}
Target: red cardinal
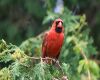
{"x": 53, "y": 40}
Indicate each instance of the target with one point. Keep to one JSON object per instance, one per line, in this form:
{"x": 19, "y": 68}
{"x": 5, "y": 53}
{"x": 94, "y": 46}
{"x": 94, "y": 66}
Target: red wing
{"x": 44, "y": 45}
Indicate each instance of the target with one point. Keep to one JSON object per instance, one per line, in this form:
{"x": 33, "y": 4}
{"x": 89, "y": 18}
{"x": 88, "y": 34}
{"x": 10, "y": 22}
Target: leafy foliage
{"x": 32, "y": 46}
{"x": 18, "y": 63}
{"x": 22, "y": 66}
{"x": 78, "y": 44}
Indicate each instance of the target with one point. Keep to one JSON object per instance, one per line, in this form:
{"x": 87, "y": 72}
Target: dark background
{"x": 22, "y": 19}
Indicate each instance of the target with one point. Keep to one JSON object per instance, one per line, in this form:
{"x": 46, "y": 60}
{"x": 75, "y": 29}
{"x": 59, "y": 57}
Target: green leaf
{"x": 81, "y": 66}
{"x": 94, "y": 68}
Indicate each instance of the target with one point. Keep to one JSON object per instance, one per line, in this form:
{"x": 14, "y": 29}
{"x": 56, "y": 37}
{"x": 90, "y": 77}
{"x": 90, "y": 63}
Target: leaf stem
{"x": 87, "y": 62}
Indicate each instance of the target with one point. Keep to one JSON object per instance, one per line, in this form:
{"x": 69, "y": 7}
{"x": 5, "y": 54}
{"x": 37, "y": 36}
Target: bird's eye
{"x": 62, "y": 23}
{"x": 57, "y": 22}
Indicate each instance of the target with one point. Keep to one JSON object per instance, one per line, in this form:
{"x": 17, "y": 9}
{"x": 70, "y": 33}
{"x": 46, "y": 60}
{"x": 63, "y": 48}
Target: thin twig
{"x": 47, "y": 58}
{"x": 87, "y": 62}
{"x": 39, "y": 58}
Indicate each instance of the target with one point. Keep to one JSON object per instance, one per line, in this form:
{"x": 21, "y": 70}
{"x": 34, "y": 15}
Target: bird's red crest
{"x": 59, "y": 20}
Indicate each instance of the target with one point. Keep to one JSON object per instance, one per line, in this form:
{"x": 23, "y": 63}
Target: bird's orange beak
{"x": 59, "y": 25}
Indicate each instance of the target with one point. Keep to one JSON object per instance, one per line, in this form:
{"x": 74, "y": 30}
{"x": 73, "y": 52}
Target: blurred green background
{"x": 21, "y": 19}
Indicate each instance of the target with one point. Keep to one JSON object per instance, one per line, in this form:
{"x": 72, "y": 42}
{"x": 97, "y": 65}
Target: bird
{"x": 53, "y": 40}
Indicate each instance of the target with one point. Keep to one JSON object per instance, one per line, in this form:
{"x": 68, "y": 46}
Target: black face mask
{"x": 58, "y": 29}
